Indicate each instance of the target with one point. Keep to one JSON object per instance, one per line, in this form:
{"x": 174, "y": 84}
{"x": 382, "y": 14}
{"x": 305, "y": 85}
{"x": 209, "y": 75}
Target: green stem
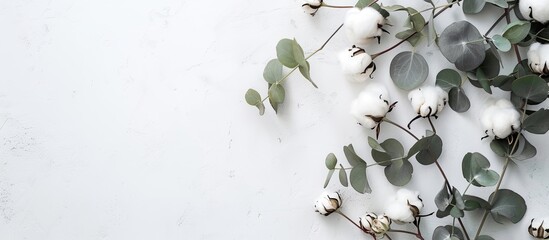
{"x": 505, "y": 166}
{"x": 333, "y": 6}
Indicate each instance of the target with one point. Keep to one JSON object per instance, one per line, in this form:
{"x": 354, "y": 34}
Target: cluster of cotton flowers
{"x": 428, "y": 101}
{"x": 539, "y": 228}
{"x": 372, "y": 105}
{"x": 311, "y": 6}
{"x": 404, "y": 207}
{"x": 327, "y": 203}
{"x": 538, "y": 58}
{"x": 377, "y": 224}
{"x": 500, "y": 119}
{"x": 534, "y": 10}
{"x": 357, "y": 64}
{"x": 363, "y": 25}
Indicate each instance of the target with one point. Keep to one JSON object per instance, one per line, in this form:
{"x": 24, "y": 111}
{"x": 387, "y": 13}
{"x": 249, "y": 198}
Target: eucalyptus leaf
{"x": 462, "y": 44}
{"x": 473, "y": 6}
{"x": 277, "y": 93}
{"x": 458, "y": 199}
{"x": 456, "y": 212}
{"x": 410, "y": 35}
{"x": 483, "y": 80}
{"x": 305, "y": 70}
{"x": 343, "y": 176}
{"x": 331, "y": 161}
{"x": 391, "y": 149}
{"x": 458, "y": 100}
{"x": 500, "y": 147}
{"x": 409, "y": 70}
{"x": 517, "y": 31}
{"x": 428, "y": 149}
{"x": 474, "y": 203}
{"x": 253, "y": 98}
{"x": 352, "y": 157}
{"x": 273, "y": 71}
{"x": 491, "y": 65}
{"x": 329, "y": 177}
{"x": 448, "y": 79}
{"x": 443, "y": 199}
{"x": 475, "y": 169}
{"x": 399, "y": 173}
{"x": 507, "y": 205}
{"x": 375, "y": 145}
{"x": 445, "y": 233}
{"x": 359, "y": 180}
{"x": 531, "y": 87}
{"x": 418, "y": 22}
{"x": 285, "y": 53}
{"x": 503, "y": 44}
{"x": 524, "y": 151}
{"x": 538, "y": 122}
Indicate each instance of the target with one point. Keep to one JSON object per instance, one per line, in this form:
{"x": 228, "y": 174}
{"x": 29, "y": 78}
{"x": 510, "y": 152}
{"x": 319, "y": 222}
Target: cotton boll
{"x": 378, "y": 224}
{"x": 500, "y": 119}
{"x": 363, "y": 25}
{"x": 357, "y": 64}
{"x": 327, "y": 203}
{"x": 538, "y": 58}
{"x": 539, "y": 228}
{"x": 404, "y": 206}
{"x": 428, "y": 101}
{"x": 311, "y": 6}
{"x": 534, "y": 9}
{"x": 371, "y": 105}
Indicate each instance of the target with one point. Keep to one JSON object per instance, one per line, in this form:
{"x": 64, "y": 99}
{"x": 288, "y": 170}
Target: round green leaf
{"x": 409, "y": 70}
{"x": 285, "y": 53}
{"x": 352, "y": 157}
{"x": 537, "y": 122}
{"x": 475, "y": 169}
{"x": 508, "y": 205}
{"x": 448, "y": 79}
{"x": 531, "y": 87}
{"x": 252, "y": 97}
{"x": 473, "y": 6}
{"x": 331, "y": 161}
{"x": 359, "y": 180}
{"x": 399, "y": 173}
{"x": 474, "y": 202}
{"x": 277, "y": 93}
{"x": 273, "y": 71}
{"x": 517, "y": 31}
{"x": 445, "y": 233}
{"x": 501, "y": 43}
{"x": 458, "y": 100}
{"x": 443, "y": 199}
{"x": 462, "y": 44}
{"x": 430, "y": 151}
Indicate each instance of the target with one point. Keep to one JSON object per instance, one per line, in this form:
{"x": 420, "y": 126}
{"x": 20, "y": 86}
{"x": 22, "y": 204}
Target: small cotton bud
{"x": 327, "y": 203}
{"x": 428, "y": 101}
{"x": 405, "y": 206}
{"x": 500, "y": 119}
{"x": 311, "y": 6}
{"x": 534, "y": 10}
{"x": 371, "y": 106}
{"x": 538, "y": 58}
{"x": 363, "y": 25}
{"x": 539, "y": 228}
{"x": 375, "y": 224}
{"x": 357, "y": 64}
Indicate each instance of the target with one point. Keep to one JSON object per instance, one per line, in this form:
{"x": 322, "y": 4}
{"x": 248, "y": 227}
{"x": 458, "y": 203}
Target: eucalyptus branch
{"x": 508, "y": 18}
{"x": 500, "y": 180}
{"x": 411, "y": 35}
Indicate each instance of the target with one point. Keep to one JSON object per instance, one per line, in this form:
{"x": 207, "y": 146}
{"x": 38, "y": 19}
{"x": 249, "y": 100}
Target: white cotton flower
{"x": 357, "y": 64}
{"x": 539, "y": 228}
{"x": 372, "y": 105}
{"x": 311, "y": 6}
{"x": 428, "y": 101}
{"x": 404, "y": 207}
{"x": 378, "y": 224}
{"x": 538, "y": 58}
{"x": 534, "y": 10}
{"x": 363, "y": 25}
{"x": 500, "y": 119}
{"x": 327, "y": 203}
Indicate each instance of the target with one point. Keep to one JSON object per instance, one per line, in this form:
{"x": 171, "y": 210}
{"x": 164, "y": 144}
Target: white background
{"x": 126, "y": 120}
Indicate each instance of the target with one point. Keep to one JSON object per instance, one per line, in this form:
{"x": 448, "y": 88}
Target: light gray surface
{"x": 126, "y": 120}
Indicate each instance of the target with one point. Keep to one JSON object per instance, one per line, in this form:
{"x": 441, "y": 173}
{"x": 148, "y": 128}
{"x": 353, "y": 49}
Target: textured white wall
{"x": 126, "y": 120}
